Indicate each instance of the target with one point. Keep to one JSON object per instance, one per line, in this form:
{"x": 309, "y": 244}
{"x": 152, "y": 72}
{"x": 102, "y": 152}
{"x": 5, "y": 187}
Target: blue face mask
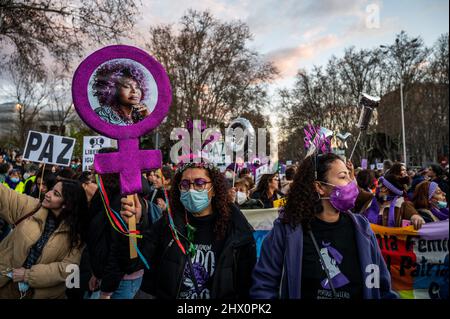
{"x": 195, "y": 201}
{"x": 15, "y": 179}
{"x": 441, "y": 204}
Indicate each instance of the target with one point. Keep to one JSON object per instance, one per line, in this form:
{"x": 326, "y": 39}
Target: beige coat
{"x": 47, "y": 276}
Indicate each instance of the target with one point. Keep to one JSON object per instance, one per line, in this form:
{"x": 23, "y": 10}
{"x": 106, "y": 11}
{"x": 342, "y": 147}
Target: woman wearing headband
{"x": 394, "y": 206}
{"x": 203, "y": 248}
{"x": 429, "y": 200}
{"x": 319, "y": 249}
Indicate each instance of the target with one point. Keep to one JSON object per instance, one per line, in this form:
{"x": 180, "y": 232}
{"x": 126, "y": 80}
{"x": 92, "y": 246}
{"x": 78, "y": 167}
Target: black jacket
{"x": 232, "y": 278}
{"x": 268, "y": 202}
{"x": 109, "y": 251}
{"x": 252, "y": 204}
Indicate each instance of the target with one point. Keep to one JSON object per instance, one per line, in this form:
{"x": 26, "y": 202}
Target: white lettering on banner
{"x": 91, "y": 146}
{"x": 373, "y": 277}
{"x": 48, "y": 148}
{"x": 73, "y": 279}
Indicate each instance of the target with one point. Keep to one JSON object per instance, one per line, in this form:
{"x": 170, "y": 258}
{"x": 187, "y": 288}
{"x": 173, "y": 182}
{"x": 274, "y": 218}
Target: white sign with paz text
{"x": 48, "y": 148}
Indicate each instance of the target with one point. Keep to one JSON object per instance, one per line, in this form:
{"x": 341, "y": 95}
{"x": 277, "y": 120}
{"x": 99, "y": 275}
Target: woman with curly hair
{"x": 319, "y": 249}
{"x": 120, "y": 88}
{"x": 204, "y": 247}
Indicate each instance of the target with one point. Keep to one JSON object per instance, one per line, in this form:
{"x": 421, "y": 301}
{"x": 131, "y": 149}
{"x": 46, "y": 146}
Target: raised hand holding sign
{"x": 123, "y": 93}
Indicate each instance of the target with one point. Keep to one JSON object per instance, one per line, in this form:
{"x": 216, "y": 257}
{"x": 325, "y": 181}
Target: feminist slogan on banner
{"x": 417, "y": 260}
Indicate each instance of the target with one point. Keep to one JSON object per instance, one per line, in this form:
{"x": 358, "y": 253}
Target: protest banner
{"x": 48, "y": 148}
{"x": 91, "y": 146}
{"x": 417, "y": 260}
{"x": 262, "y": 221}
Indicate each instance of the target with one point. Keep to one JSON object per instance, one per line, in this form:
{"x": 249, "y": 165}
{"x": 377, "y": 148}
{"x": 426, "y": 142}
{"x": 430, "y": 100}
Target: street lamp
{"x": 386, "y": 51}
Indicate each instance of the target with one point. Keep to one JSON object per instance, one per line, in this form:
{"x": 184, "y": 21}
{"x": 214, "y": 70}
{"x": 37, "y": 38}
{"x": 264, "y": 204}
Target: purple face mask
{"x": 343, "y": 198}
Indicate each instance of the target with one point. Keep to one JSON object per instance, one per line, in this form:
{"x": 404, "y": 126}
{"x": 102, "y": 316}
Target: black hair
{"x": 290, "y": 173}
{"x": 167, "y": 173}
{"x": 437, "y": 170}
{"x": 66, "y": 173}
{"x": 4, "y": 168}
{"x": 263, "y": 185}
{"x": 84, "y": 177}
{"x": 365, "y": 179}
{"x": 74, "y": 211}
{"x": 396, "y": 168}
{"x": 219, "y": 203}
{"x": 387, "y": 164}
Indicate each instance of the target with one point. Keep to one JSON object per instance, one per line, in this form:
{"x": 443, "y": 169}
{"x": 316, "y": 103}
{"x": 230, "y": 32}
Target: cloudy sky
{"x": 301, "y": 33}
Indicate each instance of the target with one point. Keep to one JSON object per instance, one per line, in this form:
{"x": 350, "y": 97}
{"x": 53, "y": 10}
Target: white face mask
{"x": 26, "y": 175}
{"x": 241, "y": 197}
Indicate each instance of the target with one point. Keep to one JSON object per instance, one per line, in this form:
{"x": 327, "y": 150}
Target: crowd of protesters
{"x": 195, "y": 243}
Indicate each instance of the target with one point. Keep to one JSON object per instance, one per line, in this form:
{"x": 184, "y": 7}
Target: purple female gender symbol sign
{"x": 121, "y": 77}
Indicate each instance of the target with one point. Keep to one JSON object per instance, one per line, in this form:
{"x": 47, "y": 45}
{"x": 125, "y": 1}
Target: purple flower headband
{"x": 208, "y": 166}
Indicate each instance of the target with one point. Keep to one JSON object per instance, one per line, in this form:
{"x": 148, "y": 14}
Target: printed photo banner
{"x": 417, "y": 260}
{"x": 122, "y": 93}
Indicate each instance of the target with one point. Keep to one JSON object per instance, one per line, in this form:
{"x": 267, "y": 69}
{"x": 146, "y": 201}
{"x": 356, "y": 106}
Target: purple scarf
{"x": 373, "y": 212}
{"x": 398, "y": 193}
{"x": 441, "y": 214}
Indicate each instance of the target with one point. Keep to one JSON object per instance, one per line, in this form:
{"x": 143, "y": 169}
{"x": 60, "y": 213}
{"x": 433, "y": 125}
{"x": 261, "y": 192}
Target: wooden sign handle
{"x": 132, "y": 231}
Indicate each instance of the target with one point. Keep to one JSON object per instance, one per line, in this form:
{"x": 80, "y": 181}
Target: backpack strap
{"x": 26, "y": 216}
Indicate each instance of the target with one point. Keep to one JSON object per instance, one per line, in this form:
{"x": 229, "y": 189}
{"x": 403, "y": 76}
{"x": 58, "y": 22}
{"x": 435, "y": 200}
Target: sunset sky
{"x": 297, "y": 34}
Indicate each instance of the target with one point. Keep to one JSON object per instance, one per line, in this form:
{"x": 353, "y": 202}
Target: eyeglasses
{"x": 199, "y": 184}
